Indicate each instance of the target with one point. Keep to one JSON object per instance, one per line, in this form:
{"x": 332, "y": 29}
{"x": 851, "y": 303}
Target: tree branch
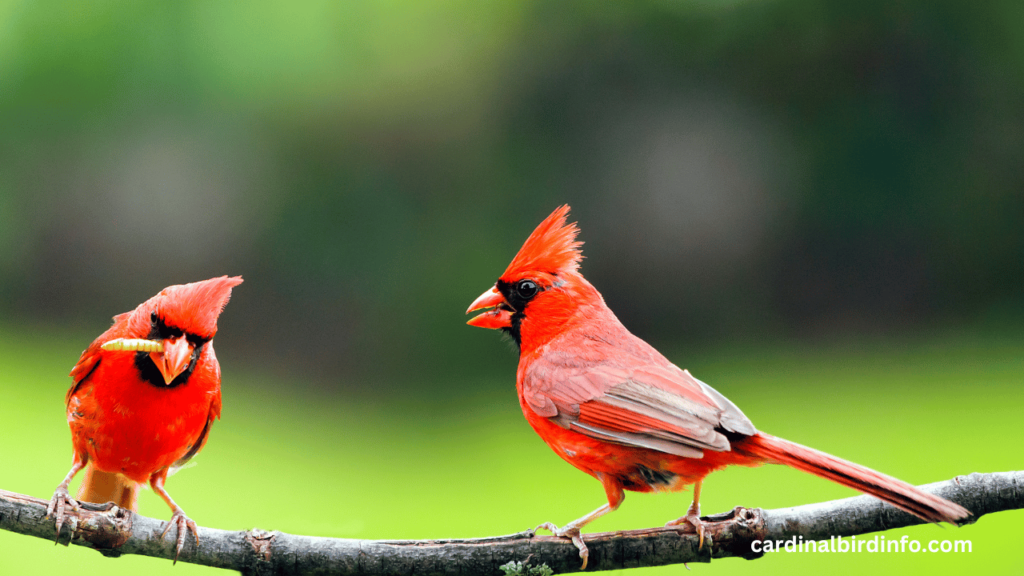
{"x": 114, "y": 531}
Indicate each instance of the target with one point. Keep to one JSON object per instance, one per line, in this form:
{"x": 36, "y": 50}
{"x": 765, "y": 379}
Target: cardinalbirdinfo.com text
{"x": 874, "y": 544}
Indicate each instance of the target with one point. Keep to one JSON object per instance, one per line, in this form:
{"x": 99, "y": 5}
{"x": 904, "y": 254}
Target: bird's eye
{"x": 152, "y": 316}
{"x": 527, "y": 289}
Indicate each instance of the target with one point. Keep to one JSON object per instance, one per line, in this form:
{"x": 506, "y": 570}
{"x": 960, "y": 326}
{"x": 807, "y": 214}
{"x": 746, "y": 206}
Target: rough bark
{"x": 114, "y": 531}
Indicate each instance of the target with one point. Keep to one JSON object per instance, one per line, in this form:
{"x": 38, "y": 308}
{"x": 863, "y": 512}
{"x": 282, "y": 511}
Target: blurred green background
{"x": 817, "y": 207}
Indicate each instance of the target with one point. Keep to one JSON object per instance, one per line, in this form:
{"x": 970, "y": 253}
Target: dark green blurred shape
{"x": 739, "y": 169}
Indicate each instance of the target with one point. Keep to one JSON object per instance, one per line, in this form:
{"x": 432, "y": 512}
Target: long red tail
{"x": 896, "y": 492}
{"x": 102, "y": 487}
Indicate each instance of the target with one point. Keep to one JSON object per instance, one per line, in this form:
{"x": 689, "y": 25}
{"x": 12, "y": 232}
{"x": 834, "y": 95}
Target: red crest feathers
{"x": 195, "y": 307}
{"x": 552, "y": 248}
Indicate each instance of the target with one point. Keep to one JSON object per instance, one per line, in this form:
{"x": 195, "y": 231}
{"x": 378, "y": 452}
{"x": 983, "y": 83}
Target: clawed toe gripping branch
{"x": 115, "y": 531}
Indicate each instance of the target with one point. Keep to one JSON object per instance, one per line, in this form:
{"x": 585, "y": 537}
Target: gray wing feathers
{"x": 697, "y": 422}
{"x": 733, "y": 419}
{"x": 640, "y": 440}
{"x": 695, "y": 416}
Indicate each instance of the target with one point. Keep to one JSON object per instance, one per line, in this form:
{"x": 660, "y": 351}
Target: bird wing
{"x": 643, "y": 403}
{"x": 215, "y": 407}
{"x": 86, "y": 364}
{"x": 203, "y": 436}
{"x": 92, "y": 355}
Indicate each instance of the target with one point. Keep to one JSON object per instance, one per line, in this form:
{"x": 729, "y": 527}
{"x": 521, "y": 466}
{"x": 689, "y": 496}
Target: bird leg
{"x": 572, "y": 529}
{"x": 693, "y": 515}
{"x": 61, "y": 497}
{"x": 178, "y": 519}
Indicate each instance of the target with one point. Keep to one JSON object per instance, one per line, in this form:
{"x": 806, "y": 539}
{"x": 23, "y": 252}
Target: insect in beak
{"x": 133, "y": 345}
{"x": 171, "y": 356}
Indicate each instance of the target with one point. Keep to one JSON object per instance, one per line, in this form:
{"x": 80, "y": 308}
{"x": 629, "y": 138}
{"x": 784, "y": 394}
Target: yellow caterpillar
{"x": 133, "y": 345}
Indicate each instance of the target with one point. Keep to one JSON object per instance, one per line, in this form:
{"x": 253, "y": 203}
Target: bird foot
{"x": 61, "y": 500}
{"x": 184, "y": 525}
{"x": 572, "y": 532}
{"x": 692, "y": 518}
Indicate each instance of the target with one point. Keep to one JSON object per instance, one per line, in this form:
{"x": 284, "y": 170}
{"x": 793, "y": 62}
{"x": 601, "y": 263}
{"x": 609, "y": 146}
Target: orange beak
{"x": 498, "y": 314}
{"x": 174, "y": 359}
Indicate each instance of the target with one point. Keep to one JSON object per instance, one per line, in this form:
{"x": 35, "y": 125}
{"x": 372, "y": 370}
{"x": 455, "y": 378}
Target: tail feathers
{"x": 101, "y": 487}
{"x": 896, "y": 492}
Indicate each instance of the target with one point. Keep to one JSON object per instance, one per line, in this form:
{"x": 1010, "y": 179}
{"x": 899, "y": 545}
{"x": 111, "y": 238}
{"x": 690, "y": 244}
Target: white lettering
{"x": 876, "y": 544}
{"x": 873, "y": 544}
{"x": 843, "y": 545}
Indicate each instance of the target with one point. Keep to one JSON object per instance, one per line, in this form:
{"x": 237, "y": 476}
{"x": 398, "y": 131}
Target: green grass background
{"x": 456, "y": 458}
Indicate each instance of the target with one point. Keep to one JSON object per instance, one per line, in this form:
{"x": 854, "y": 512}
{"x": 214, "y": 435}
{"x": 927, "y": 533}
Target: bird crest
{"x": 551, "y": 248}
{"x": 195, "y": 307}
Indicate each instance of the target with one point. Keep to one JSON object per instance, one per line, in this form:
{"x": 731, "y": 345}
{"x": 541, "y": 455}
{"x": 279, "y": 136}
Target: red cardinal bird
{"x": 609, "y": 404}
{"x": 145, "y": 395}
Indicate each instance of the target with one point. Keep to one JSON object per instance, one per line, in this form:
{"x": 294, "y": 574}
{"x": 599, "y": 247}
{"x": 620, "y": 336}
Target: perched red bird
{"x": 609, "y": 404}
{"x": 145, "y": 395}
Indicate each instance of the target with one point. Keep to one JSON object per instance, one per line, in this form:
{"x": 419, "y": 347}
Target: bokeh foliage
{"x": 738, "y": 168}
{"x": 757, "y": 183}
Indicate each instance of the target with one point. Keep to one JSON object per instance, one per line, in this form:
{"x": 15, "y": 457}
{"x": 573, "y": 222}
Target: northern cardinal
{"x": 609, "y": 404}
{"x": 144, "y": 397}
